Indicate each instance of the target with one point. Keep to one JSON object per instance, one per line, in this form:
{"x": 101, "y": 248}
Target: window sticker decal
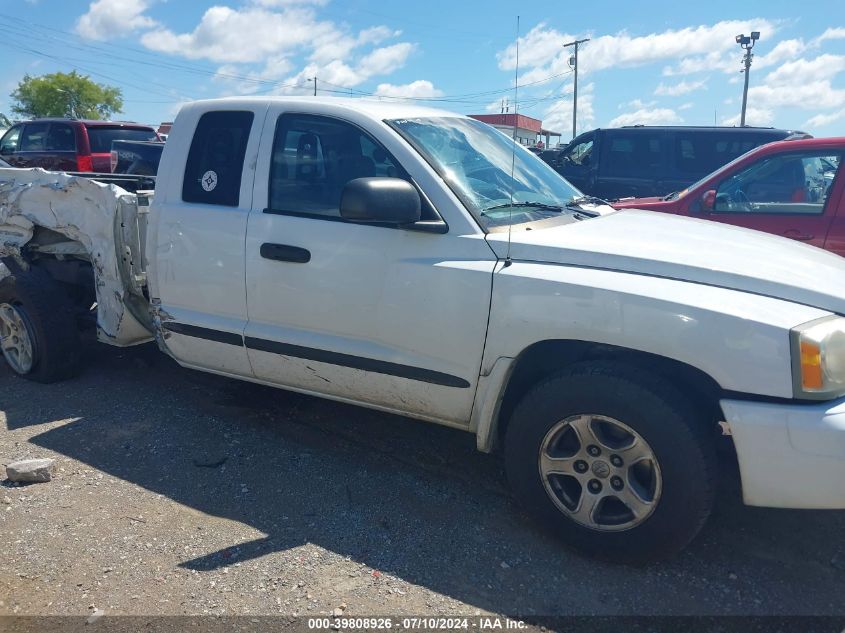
{"x": 209, "y": 180}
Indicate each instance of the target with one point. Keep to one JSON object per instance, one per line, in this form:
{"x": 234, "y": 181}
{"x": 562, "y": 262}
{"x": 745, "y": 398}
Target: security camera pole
{"x": 747, "y": 43}
{"x": 573, "y": 61}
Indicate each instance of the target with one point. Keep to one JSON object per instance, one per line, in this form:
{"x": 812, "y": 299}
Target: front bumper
{"x": 790, "y": 455}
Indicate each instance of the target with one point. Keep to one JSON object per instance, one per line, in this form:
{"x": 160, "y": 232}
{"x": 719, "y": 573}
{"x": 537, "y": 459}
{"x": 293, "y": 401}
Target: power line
{"x": 152, "y": 60}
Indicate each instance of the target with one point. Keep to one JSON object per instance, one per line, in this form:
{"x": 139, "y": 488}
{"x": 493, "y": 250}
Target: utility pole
{"x": 747, "y": 43}
{"x": 315, "y": 85}
{"x": 573, "y": 62}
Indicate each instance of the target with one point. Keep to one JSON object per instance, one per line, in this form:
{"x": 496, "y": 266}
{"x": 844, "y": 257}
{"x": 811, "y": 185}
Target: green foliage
{"x": 4, "y": 121}
{"x": 65, "y": 95}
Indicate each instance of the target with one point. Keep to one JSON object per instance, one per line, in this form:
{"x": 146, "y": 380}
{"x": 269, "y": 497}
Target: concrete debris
{"x": 98, "y": 613}
{"x": 30, "y": 470}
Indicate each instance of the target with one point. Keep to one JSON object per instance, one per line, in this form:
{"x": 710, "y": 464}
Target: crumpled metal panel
{"x": 84, "y": 211}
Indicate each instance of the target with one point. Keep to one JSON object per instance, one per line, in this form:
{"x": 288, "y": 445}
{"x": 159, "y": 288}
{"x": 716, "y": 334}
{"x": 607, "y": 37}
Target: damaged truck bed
{"x": 65, "y": 218}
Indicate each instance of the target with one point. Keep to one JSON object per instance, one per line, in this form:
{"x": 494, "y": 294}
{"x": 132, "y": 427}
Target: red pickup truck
{"x": 790, "y": 188}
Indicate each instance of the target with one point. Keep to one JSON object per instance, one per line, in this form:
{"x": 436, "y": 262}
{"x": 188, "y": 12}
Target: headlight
{"x": 818, "y": 358}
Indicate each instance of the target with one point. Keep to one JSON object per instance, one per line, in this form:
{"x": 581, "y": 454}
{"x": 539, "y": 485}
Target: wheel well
{"x": 545, "y": 358}
{"x": 53, "y": 255}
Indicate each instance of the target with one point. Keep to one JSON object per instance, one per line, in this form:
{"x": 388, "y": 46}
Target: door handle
{"x": 795, "y": 234}
{"x": 285, "y": 253}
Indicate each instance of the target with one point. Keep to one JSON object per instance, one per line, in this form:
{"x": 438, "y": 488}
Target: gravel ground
{"x": 178, "y": 492}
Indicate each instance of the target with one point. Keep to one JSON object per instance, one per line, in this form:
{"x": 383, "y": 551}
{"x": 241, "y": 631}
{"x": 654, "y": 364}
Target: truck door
{"x": 385, "y": 316}
{"x": 785, "y": 194}
{"x": 198, "y": 228}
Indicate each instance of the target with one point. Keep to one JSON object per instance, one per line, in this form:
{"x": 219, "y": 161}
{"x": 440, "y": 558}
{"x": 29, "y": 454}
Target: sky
{"x": 647, "y": 62}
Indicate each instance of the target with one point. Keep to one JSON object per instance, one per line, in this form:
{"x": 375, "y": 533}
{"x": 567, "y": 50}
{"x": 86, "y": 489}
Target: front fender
{"x": 741, "y": 340}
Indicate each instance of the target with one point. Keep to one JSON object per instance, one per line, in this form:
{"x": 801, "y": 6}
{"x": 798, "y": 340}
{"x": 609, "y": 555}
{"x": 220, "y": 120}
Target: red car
{"x": 68, "y": 144}
{"x": 789, "y": 188}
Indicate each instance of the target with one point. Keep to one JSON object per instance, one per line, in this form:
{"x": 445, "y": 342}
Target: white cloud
{"x": 558, "y": 116}
{"x": 541, "y": 52}
{"x": 384, "y": 60}
{"x": 258, "y": 42}
{"x": 822, "y": 120}
{"x": 109, "y": 18}
{"x": 753, "y": 116}
{"x": 287, "y": 3}
{"x": 685, "y": 106}
{"x": 637, "y": 104}
{"x": 783, "y": 51}
{"x": 801, "y": 83}
{"x": 834, "y": 33}
{"x": 680, "y": 88}
{"x": 646, "y": 116}
{"x": 803, "y": 70}
{"x": 246, "y": 35}
{"x": 808, "y": 96}
{"x": 417, "y": 89}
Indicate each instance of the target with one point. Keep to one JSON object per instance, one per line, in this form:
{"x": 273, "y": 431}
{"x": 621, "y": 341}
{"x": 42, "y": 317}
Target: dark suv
{"x": 68, "y": 144}
{"x": 642, "y": 161}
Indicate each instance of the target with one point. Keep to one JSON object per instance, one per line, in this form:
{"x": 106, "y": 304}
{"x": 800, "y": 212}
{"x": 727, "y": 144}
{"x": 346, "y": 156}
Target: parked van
{"x": 68, "y": 144}
{"x": 640, "y": 161}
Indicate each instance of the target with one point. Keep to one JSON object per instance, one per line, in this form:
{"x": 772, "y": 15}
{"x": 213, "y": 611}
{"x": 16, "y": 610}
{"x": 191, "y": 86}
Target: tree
{"x": 65, "y": 95}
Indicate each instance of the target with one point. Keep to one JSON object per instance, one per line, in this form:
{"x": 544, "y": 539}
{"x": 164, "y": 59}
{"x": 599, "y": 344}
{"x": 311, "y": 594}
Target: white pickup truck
{"x": 415, "y": 261}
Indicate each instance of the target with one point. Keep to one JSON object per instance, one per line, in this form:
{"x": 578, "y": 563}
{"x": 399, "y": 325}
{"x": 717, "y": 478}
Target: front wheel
{"x": 614, "y": 460}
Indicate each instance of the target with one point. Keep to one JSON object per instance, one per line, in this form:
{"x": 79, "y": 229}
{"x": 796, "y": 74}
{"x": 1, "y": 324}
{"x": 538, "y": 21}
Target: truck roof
{"x": 373, "y": 108}
{"x": 90, "y": 122}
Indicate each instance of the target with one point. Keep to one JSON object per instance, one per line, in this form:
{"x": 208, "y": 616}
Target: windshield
{"x": 477, "y": 160}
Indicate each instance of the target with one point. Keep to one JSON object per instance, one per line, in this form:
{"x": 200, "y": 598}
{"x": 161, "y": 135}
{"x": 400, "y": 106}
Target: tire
{"x": 673, "y": 492}
{"x": 48, "y": 319}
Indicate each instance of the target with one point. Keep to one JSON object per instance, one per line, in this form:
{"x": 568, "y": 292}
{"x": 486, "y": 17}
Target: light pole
{"x": 573, "y": 62}
{"x": 747, "y": 43}
{"x": 315, "y": 84}
{"x": 72, "y": 99}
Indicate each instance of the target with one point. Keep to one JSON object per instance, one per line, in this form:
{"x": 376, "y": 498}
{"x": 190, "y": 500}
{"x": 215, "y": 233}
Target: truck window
{"x": 216, "y": 159}
{"x": 631, "y": 154}
{"x": 313, "y": 159}
{"x": 796, "y": 183}
{"x": 581, "y": 153}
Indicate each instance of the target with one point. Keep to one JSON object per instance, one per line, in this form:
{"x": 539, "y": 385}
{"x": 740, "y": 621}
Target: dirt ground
{"x": 184, "y": 493}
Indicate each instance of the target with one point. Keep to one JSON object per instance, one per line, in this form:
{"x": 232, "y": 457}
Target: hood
{"x": 687, "y": 249}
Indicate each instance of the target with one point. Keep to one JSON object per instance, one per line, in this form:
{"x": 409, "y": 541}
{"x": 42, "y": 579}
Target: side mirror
{"x": 380, "y": 200}
{"x": 708, "y": 200}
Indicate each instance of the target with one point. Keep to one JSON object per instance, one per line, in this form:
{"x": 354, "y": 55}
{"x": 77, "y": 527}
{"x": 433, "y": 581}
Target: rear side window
{"x": 100, "y": 136}
{"x": 34, "y": 138}
{"x": 631, "y": 154}
{"x": 216, "y": 159}
{"x": 698, "y": 154}
{"x": 729, "y": 148}
{"x": 61, "y": 138}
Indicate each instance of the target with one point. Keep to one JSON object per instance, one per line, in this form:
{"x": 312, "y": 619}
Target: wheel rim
{"x": 600, "y": 472}
{"x": 15, "y": 339}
